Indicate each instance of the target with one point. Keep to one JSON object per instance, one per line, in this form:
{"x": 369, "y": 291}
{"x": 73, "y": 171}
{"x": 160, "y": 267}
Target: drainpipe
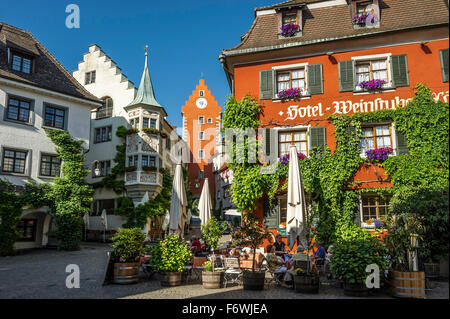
{"x": 228, "y": 73}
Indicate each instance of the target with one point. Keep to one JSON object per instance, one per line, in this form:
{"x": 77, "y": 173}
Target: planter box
{"x": 307, "y": 284}
{"x": 126, "y": 273}
{"x": 171, "y": 279}
{"x": 408, "y": 284}
{"x": 253, "y": 280}
{"x": 212, "y": 280}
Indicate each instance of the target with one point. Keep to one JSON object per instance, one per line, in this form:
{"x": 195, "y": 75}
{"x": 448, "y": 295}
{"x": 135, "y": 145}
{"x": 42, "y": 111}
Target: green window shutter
{"x": 346, "y": 76}
{"x": 444, "y": 64}
{"x": 399, "y": 68}
{"x": 317, "y": 137}
{"x": 315, "y": 79}
{"x": 271, "y": 213}
{"x": 402, "y": 147}
{"x": 267, "y": 141}
{"x": 266, "y": 84}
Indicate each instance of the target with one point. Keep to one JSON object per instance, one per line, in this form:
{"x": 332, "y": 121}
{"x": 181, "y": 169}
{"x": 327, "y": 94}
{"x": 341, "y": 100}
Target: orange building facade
{"x": 201, "y": 122}
{"x": 328, "y": 57}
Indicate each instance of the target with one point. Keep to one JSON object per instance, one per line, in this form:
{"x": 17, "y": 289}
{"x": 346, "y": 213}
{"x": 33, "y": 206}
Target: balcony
{"x": 138, "y": 182}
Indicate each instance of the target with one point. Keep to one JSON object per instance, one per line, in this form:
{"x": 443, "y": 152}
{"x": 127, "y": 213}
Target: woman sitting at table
{"x": 280, "y": 248}
{"x": 196, "y": 246}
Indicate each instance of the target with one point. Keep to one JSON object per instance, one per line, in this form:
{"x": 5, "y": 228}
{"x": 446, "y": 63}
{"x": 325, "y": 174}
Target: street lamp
{"x": 96, "y": 169}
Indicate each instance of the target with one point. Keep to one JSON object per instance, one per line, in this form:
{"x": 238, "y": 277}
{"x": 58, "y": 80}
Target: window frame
{"x": 370, "y": 58}
{"x": 209, "y": 120}
{"x": 7, "y": 149}
{"x": 386, "y": 198}
{"x": 201, "y": 121}
{"x": 55, "y": 107}
{"x": 22, "y": 56}
{"x": 374, "y": 136}
{"x": 278, "y": 72}
{"x": 34, "y": 229}
{"x": 201, "y": 152}
{"x": 19, "y": 100}
{"x": 292, "y": 132}
{"x": 201, "y": 135}
{"x": 90, "y": 77}
{"x": 108, "y": 134}
{"x": 354, "y": 11}
{"x": 103, "y": 171}
{"x": 52, "y": 163}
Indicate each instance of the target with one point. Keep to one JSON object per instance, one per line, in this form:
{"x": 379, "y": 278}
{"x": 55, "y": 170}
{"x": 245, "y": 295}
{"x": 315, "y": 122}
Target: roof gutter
{"x": 228, "y": 73}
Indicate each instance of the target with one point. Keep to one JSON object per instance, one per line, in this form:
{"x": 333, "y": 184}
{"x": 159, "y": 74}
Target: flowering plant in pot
{"x": 360, "y": 19}
{"x": 148, "y": 130}
{"x": 132, "y": 130}
{"x": 169, "y": 257}
{"x": 372, "y": 84}
{"x": 127, "y": 248}
{"x": 289, "y": 29}
{"x": 284, "y": 160}
{"x": 252, "y": 234}
{"x": 294, "y": 93}
{"x": 212, "y": 232}
{"x": 379, "y": 154}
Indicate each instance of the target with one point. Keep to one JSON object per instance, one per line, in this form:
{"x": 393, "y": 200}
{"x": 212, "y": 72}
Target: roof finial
{"x": 201, "y": 75}
{"x": 146, "y": 49}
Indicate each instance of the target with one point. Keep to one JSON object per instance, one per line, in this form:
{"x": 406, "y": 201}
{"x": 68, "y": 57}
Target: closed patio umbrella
{"x": 178, "y": 203}
{"x": 166, "y": 221}
{"x": 296, "y": 204}
{"x": 204, "y": 205}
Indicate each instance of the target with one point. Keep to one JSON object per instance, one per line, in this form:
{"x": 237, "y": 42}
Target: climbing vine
{"x": 326, "y": 175}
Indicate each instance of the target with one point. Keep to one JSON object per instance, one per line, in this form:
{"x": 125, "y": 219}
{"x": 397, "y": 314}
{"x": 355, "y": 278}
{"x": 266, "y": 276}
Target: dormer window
{"x": 289, "y": 22}
{"x": 366, "y": 14}
{"x": 21, "y": 63}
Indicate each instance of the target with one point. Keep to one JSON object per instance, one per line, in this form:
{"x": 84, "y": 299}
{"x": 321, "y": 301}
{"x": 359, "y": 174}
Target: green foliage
{"x": 170, "y": 255}
{"x": 352, "y": 255}
{"x": 208, "y": 266}
{"x": 127, "y": 245}
{"x": 70, "y": 196}
{"x": 252, "y": 234}
{"x": 212, "y": 232}
{"x": 428, "y": 208}
{"x": 10, "y": 210}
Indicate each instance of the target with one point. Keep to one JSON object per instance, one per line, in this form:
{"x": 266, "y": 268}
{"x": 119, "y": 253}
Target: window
{"x": 363, "y": 7}
{"x": 209, "y": 120}
{"x": 148, "y": 161}
{"x": 106, "y": 109}
{"x": 18, "y": 110}
{"x": 103, "y": 134}
{"x": 374, "y": 207}
{"x": 54, "y": 117}
{"x": 201, "y": 154}
{"x": 375, "y": 137}
{"x": 152, "y": 123}
{"x": 104, "y": 167}
{"x": 201, "y": 120}
{"x": 134, "y": 123}
{"x": 201, "y": 93}
{"x": 145, "y": 122}
{"x": 368, "y": 10}
{"x": 132, "y": 160}
{"x": 168, "y": 143}
{"x": 27, "y": 229}
{"x": 293, "y": 79}
{"x": 90, "y": 77}
{"x": 99, "y": 205}
{"x": 289, "y": 17}
{"x": 201, "y": 135}
{"x": 371, "y": 70}
{"x": 201, "y": 175}
{"x": 218, "y": 194}
{"x": 298, "y": 138}
{"x": 50, "y": 165}
{"x": 21, "y": 63}
{"x": 283, "y": 211}
{"x": 14, "y": 161}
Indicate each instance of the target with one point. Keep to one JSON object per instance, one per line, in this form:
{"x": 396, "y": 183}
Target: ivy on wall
{"x": 326, "y": 175}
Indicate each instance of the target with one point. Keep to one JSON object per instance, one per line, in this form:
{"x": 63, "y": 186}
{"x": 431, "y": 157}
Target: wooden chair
{"x": 233, "y": 272}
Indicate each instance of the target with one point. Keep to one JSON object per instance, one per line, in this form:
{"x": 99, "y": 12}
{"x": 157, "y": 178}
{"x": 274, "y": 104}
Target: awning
{"x": 232, "y": 212}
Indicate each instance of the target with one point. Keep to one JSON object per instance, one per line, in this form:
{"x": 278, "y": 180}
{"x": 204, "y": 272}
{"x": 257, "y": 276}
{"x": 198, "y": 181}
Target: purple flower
{"x": 285, "y": 158}
{"x": 379, "y": 154}
{"x": 360, "y": 19}
{"x": 289, "y": 29}
{"x": 378, "y": 223}
{"x": 372, "y": 84}
{"x": 290, "y": 94}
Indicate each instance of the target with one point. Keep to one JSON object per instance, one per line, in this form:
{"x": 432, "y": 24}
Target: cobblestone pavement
{"x": 41, "y": 274}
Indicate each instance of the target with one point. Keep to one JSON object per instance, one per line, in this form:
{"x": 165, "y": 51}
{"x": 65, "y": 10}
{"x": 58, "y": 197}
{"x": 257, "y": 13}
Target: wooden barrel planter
{"x": 307, "y": 284}
{"x": 355, "y": 290}
{"x": 212, "y": 280}
{"x": 171, "y": 279}
{"x": 432, "y": 270}
{"x": 408, "y": 284}
{"x": 253, "y": 280}
{"x": 126, "y": 273}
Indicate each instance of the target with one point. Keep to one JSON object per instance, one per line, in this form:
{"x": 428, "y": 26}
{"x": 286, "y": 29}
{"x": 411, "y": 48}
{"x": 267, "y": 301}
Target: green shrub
{"x": 170, "y": 255}
{"x": 208, "y": 266}
{"x": 127, "y": 244}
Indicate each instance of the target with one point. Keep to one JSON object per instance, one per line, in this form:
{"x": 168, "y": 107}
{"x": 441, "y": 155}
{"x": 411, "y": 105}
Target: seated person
{"x": 196, "y": 245}
{"x": 280, "y": 248}
{"x": 320, "y": 254}
{"x": 147, "y": 239}
{"x": 273, "y": 261}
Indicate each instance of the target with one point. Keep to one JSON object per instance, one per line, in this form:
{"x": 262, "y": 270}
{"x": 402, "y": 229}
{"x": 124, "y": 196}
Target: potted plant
{"x": 371, "y": 85}
{"x": 148, "y": 130}
{"x": 127, "y": 249}
{"x": 306, "y": 281}
{"x": 293, "y": 94}
{"x": 251, "y": 234}
{"x": 212, "y": 232}
{"x": 131, "y": 131}
{"x": 351, "y": 255}
{"x": 289, "y": 29}
{"x": 169, "y": 258}
{"x": 360, "y": 19}
{"x": 379, "y": 154}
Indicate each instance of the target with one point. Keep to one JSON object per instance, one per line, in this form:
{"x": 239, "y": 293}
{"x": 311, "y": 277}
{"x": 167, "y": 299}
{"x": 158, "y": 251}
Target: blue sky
{"x": 185, "y": 38}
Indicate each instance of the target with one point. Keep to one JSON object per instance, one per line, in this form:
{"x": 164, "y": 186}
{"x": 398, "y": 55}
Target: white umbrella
{"x": 188, "y": 217}
{"x": 178, "y": 203}
{"x": 86, "y": 220}
{"x": 104, "y": 219}
{"x": 204, "y": 205}
{"x": 296, "y": 209}
{"x": 166, "y": 221}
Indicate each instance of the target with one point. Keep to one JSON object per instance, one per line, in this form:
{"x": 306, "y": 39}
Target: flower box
{"x": 284, "y": 160}
{"x": 290, "y": 94}
{"x": 360, "y": 19}
{"x": 379, "y": 154}
{"x": 149, "y": 168}
{"x": 372, "y": 84}
{"x": 151, "y": 131}
{"x": 130, "y": 168}
{"x": 132, "y": 131}
{"x": 289, "y": 29}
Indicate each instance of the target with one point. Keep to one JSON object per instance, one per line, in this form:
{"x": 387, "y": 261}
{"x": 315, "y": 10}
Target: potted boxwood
{"x": 212, "y": 232}
{"x": 351, "y": 255}
{"x": 127, "y": 249}
{"x": 169, "y": 258}
{"x": 251, "y": 234}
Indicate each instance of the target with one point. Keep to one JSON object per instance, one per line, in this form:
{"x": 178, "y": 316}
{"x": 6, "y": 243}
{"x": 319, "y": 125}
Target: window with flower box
{"x": 365, "y": 14}
{"x": 369, "y": 71}
{"x": 297, "y": 138}
{"x": 289, "y": 21}
{"x": 374, "y": 207}
{"x": 376, "y": 136}
{"x": 291, "y": 79}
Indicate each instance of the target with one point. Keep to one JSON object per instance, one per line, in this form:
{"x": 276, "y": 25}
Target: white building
{"x": 36, "y": 92}
{"x": 146, "y": 154}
